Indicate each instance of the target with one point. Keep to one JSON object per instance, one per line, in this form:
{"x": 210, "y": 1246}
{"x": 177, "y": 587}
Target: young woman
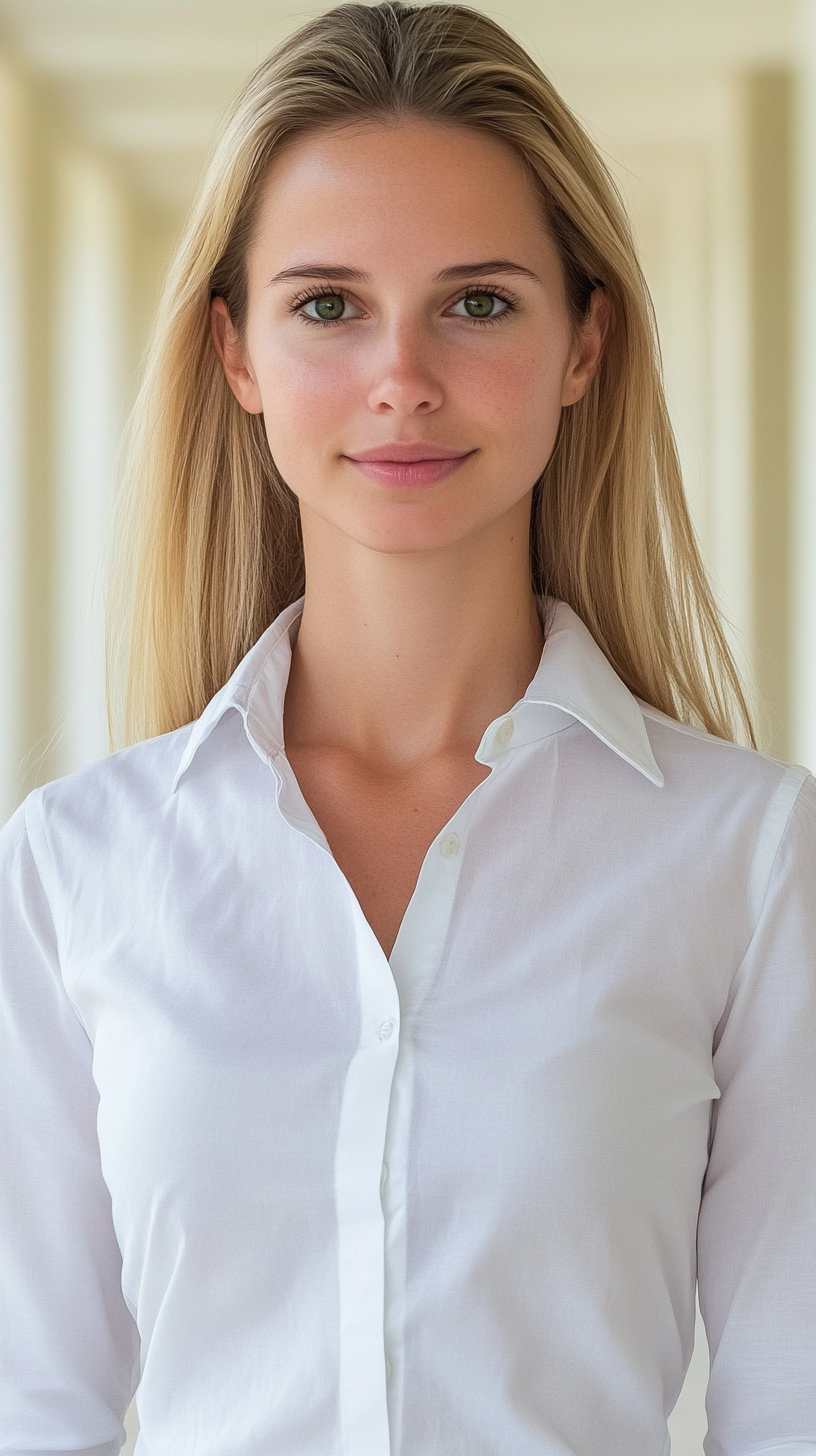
{"x": 391, "y": 1043}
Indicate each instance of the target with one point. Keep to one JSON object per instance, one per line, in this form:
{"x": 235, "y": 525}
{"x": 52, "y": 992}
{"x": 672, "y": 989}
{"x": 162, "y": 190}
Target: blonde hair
{"x": 212, "y": 549}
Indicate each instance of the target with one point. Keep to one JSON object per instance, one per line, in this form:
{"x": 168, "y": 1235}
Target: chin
{"x": 412, "y": 532}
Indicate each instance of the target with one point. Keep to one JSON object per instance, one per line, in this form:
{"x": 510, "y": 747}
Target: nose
{"x": 405, "y": 381}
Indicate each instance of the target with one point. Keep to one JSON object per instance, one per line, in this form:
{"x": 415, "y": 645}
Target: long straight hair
{"x": 211, "y": 548}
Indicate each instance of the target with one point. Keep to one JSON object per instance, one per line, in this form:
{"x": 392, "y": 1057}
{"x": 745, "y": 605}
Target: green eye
{"x": 329, "y": 306}
{"x": 480, "y": 305}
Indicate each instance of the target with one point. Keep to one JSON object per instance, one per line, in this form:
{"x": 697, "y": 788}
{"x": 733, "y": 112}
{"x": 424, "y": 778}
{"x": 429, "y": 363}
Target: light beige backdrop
{"x": 706, "y": 111}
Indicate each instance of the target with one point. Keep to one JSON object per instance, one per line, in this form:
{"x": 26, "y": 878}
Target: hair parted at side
{"x": 211, "y": 547}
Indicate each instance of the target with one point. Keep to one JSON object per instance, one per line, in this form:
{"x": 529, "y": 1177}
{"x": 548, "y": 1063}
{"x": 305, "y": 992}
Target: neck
{"x": 403, "y": 656}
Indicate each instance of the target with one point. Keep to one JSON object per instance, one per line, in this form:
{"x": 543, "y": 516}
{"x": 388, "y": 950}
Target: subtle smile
{"x": 409, "y": 465}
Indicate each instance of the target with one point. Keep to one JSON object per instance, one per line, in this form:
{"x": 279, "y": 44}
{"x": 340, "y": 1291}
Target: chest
{"x": 541, "y": 1038}
{"x": 379, "y": 825}
{"x": 553, "y": 1061}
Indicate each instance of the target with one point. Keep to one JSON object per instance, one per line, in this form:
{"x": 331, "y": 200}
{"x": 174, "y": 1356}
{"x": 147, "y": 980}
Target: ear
{"x": 237, "y": 367}
{"x": 588, "y": 347}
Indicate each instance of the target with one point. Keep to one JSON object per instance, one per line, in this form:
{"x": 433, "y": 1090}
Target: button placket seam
{"x": 445, "y": 870}
{"x": 364, "y": 1424}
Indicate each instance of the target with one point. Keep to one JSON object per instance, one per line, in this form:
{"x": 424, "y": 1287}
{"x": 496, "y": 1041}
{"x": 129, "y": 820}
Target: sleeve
{"x": 68, "y": 1343}
{"x": 757, "y": 1227}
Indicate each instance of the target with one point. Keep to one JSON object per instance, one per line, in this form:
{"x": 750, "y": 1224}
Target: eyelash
{"x": 301, "y": 299}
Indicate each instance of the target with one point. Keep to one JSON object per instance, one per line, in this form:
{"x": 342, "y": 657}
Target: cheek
{"x": 518, "y": 387}
{"x": 313, "y": 393}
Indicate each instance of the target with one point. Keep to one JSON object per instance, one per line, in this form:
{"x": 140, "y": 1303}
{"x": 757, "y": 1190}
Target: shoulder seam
{"x": 29, "y": 807}
{"x": 774, "y": 826}
{"x": 700, "y": 733}
{"x": 770, "y": 839}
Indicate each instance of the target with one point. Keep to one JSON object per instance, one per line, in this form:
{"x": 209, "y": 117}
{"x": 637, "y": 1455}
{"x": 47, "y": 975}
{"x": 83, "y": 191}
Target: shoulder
{"x": 113, "y": 817}
{"x": 100, "y": 809}
{"x": 137, "y": 777}
{"x": 691, "y": 751}
{"x": 740, "y": 786}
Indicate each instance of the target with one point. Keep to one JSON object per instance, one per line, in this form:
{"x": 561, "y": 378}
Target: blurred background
{"x": 706, "y": 112}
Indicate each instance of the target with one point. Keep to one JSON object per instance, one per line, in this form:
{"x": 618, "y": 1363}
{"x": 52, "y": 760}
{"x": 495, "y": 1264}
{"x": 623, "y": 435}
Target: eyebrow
{"x": 321, "y": 270}
{"x": 335, "y": 274}
{"x": 488, "y": 265}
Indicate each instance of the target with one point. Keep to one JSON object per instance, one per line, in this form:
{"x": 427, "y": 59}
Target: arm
{"x": 68, "y": 1344}
{"x": 757, "y": 1229}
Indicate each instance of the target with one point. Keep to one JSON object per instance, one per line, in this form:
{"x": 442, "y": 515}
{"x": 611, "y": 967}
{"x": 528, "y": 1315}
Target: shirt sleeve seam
{"x": 794, "y": 777}
{"x": 33, "y": 804}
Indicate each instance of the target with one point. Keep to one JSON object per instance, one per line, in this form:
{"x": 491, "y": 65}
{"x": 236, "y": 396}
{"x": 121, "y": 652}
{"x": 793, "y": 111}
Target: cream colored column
{"x": 12, "y": 450}
{"x": 91, "y": 355}
{"x": 730, "y": 505}
{"x": 25, "y": 431}
{"x": 770, "y": 119}
{"x": 803, "y": 741}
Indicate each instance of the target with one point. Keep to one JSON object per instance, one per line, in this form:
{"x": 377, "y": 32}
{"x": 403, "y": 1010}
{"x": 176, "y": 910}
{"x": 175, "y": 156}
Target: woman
{"x": 391, "y": 1041}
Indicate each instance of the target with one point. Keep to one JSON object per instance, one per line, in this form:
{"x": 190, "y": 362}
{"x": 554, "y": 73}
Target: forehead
{"x": 418, "y": 188}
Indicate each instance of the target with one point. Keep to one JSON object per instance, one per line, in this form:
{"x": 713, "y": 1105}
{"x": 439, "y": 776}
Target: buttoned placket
{"x": 371, "y": 1158}
{"x": 414, "y": 963}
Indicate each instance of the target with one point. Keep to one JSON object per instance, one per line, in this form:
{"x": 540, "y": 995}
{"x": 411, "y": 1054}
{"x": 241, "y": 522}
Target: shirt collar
{"x": 574, "y": 680}
{"x": 575, "y": 676}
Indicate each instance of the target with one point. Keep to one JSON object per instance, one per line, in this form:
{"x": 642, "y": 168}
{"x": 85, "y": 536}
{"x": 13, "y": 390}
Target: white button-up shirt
{"x": 451, "y": 1203}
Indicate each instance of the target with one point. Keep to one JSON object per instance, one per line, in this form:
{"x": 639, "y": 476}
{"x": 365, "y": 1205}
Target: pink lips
{"x": 406, "y": 465}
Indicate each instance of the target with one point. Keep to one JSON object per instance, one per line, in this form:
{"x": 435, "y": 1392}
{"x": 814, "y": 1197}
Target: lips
{"x": 414, "y": 464}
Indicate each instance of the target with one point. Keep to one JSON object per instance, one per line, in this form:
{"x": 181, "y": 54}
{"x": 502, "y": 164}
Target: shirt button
{"x": 387, "y": 1368}
{"x": 450, "y": 845}
{"x": 385, "y": 1030}
{"x": 504, "y": 732}
{"x": 384, "y": 1175}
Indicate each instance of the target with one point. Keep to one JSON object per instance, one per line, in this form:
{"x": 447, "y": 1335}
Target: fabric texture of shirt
{"x": 320, "y": 1202}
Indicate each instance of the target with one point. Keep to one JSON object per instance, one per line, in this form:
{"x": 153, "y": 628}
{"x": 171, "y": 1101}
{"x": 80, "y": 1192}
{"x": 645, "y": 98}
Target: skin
{"x": 419, "y": 626}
